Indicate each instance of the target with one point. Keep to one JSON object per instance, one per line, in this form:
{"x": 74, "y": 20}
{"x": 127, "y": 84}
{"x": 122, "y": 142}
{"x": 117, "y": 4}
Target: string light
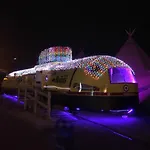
{"x": 100, "y": 65}
{"x": 55, "y": 54}
{"x": 94, "y": 66}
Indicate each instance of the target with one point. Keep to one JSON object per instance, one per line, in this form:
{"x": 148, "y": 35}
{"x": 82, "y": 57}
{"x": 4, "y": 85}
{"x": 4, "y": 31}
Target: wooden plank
{"x": 18, "y": 96}
{"x": 43, "y": 94}
{"x": 42, "y": 104}
{"x": 35, "y": 101}
{"x": 25, "y": 100}
{"x": 49, "y": 104}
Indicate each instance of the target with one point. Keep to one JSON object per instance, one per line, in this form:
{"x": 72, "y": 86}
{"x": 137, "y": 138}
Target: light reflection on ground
{"x": 131, "y": 126}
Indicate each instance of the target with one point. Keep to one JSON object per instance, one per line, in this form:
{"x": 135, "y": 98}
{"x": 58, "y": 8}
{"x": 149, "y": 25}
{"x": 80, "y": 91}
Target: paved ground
{"x": 18, "y": 134}
{"x": 96, "y": 137}
{"x": 133, "y": 126}
{"x": 92, "y": 136}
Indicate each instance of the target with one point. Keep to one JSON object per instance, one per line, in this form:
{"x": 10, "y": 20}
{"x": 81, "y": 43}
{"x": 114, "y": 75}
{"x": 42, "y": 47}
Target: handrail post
{"x": 35, "y": 100}
{"x": 25, "y": 99}
{"x": 18, "y": 95}
{"x": 49, "y": 104}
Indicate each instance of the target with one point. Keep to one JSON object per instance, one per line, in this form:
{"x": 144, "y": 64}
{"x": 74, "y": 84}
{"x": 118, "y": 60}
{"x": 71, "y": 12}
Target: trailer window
{"x": 121, "y": 75}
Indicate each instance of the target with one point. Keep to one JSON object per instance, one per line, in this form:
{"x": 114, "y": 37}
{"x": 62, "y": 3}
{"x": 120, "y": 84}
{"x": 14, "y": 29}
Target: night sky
{"x": 27, "y": 29}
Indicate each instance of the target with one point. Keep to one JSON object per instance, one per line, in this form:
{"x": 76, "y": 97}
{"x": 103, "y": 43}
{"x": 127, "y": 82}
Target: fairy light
{"x": 55, "y": 54}
{"x": 100, "y": 65}
{"x": 94, "y": 66}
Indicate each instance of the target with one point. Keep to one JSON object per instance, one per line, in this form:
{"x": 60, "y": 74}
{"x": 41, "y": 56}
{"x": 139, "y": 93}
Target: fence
{"x": 35, "y": 97}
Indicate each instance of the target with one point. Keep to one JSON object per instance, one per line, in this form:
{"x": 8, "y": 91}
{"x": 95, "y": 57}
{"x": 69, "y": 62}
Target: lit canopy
{"x": 94, "y": 65}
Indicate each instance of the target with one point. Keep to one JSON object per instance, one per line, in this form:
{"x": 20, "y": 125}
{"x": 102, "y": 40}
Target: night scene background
{"x": 95, "y": 28}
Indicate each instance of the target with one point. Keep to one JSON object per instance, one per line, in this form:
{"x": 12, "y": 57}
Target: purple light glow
{"x": 124, "y": 116}
{"x": 123, "y": 110}
{"x": 66, "y": 108}
{"x": 78, "y": 109}
{"x": 108, "y": 122}
{"x": 108, "y": 119}
{"x": 121, "y": 75}
{"x": 63, "y": 115}
{"x": 144, "y": 87}
{"x": 130, "y": 111}
{"x": 13, "y": 98}
{"x": 46, "y": 78}
{"x": 122, "y": 124}
{"x": 69, "y": 115}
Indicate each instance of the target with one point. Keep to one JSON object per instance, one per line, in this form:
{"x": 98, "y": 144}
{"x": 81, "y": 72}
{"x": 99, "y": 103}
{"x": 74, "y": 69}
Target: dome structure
{"x": 55, "y": 54}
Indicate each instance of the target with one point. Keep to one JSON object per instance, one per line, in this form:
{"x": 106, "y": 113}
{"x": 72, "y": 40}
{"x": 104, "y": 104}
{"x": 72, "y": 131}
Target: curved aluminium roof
{"x": 23, "y": 72}
{"x": 101, "y": 62}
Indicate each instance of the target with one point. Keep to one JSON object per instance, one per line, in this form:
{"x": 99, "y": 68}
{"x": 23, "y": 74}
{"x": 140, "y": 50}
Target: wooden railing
{"x": 36, "y": 97}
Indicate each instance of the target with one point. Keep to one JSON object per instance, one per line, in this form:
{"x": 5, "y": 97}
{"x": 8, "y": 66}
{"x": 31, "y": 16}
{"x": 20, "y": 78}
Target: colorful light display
{"x": 55, "y": 54}
{"x": 99, "y": 66}
{"x": 94, "y": 66}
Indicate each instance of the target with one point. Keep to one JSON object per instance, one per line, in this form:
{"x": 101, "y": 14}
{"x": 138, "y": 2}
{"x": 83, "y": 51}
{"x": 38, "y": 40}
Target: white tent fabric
{"x": 139, "y": 61}
{"x": 135, "y": 57}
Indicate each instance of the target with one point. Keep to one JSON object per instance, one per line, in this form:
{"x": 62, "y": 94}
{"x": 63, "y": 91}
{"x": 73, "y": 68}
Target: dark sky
{"x": 27, "y": 29}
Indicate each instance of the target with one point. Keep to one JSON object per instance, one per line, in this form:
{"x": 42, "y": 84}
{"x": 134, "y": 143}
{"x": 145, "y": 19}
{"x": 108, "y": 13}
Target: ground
{"x": 19, "y": 134}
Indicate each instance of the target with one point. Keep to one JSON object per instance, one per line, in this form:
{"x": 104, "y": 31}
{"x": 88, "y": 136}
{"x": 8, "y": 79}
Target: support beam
{"x": 35, "y": 100}
{"x": 25, "y": 99}
{"x": 18, "y": 95}
{"x": 49, "y": 104}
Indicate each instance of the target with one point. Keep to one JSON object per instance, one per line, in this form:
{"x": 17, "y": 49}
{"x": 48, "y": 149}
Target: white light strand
{"x": 103, "y": 62}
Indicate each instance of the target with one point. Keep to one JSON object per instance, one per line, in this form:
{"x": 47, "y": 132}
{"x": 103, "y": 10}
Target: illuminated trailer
{"x": 98, "y": 82}
{"x": 92, "y": 83}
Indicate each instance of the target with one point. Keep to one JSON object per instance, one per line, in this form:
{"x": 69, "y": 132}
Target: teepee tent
{"x": 132, "y": 54}
{"x": 139, "y": 61}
